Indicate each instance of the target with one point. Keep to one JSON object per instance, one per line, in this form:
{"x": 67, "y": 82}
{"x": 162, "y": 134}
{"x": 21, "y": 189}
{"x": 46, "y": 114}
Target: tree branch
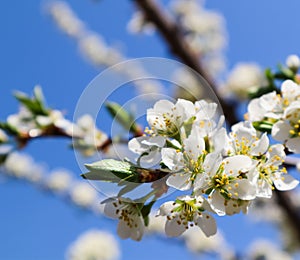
{"x": 174, "y": 39}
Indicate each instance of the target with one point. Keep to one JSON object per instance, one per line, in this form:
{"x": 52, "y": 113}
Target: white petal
{"x": 201, "y": 182}
{"x": 124, "y": 231}
{"x": 172, "y": 159}
{"x": 217, "y": 203}
{"x": 44, "y": 120}
{"x": 194, "y": 145}
{"x": 288, "y": 183}
{"x": 110, "y": 209}
{"x": 245, "y": 190}
{"x": 158, "y": 141}
{"x": 165, "y": 209}
{"x": 173, "y": 229}
{"x": 280, "y": 131}
{"x": 293, "y": 145}
{"x": 205, "y": 110}
{"x": 211, "y": 163}
{"x": 163, "y": 106}
{"x": 256, "y": 113}
{"x": 235, "y": 207}
{"x": 220, "y": 140}
{"x": 264, "y": 189}
{"x": 185, "y": 109}
{"x": 207, "y": 224}
{"x": 273, "y": 153}
{"x": 135, "y": 145}
{"x": 260, "y": 146}
{"x": 237, "y": 163}
{"x": 179, "y": 181}
{"x": 150, "y": 160}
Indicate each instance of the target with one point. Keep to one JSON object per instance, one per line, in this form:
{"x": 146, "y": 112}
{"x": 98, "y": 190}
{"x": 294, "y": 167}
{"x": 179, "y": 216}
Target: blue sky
{"x": 36, "y": 225}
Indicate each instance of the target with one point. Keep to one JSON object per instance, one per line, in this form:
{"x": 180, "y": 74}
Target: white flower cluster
{"x": 280, "y": 111}
{"x": 244, "y": 79}
{"x": 224, "y": 172}
{"x": 94, "y": 244}
{"x": 26, "y": 122}
{"x": 61, "y": 182}
{"x": 204, "y": 32}
{"x": 87, "y": 138}
{"x": 94, "y": 47}
{"x": 90, "y": 137}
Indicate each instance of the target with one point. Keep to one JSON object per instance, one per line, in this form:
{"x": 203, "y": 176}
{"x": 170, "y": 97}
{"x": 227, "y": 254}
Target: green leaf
{"x": 146, "y": 211}
{"x": 9, "y": 129}
{"x": 122, "y": 116}
{"x": 284, "y": 73}
{"x": 263, "y": 126}
{"x": 35, "y": 104}
{"x": 188, "y": 125}
{"x": 3, "y": 158}
{"x": 261, "y": 91}
{"x": 112, "y": 171}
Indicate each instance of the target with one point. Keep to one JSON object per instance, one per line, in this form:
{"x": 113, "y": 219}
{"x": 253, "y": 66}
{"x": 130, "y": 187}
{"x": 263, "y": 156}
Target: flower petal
{"x": 173, "y": 228}
{"x": 280, "y": 131}
{"x": 179, "y": 181}
{"x": 165, "y": 209}
{"x": 286, "y": 183}
{"x": 172, "y": 159}
{"x": 293, "y": 145}
{"x": 110, "y": 209}
{"x": 207, "y": 224}
{"x": 217, "y": 203}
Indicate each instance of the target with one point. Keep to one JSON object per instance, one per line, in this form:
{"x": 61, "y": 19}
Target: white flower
{"x": 187, "y": 85}
{"x": 245, "y": 78}
{"x": 186, "y": 165}
{"x": 263, "y": 249}
{"x": 266, "y": 106}
{"x": 269, "y": 173}
{"x": 94, "y": 244}
{"x": 263, "y": 209}
{"x": 138, "y": 24}
{"x": 88, "y": 136}
{"x": 21, "y": 165}
{"x": 245, "y": 140}
{"x": 65, "y": 18}
{"x": 288, "y": 129}
{"x": 148, "y": 149}
{"x": 187, "y": 211}
{"x": 197, "y": 242}
{"x": 23, "y": 121}
{"x": 59, "y": 180}
{"x": 131, "y": 222}
{"x": 290, "y": 92}
{"x": 83, "y": 194}
{"x": 56, "y": 119}
{"x": 293, "y": 62}
{"x": 224, "y": 180}
{"x": 204, "y": 32}
{"x": 166, "y": 118}
{"x": 156, "y": 224}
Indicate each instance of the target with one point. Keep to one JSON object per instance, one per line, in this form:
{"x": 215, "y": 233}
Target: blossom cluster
{"x": 34, "y": 120}
{"x": 281, "y": 113}
{"x": 219, "y": 172}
